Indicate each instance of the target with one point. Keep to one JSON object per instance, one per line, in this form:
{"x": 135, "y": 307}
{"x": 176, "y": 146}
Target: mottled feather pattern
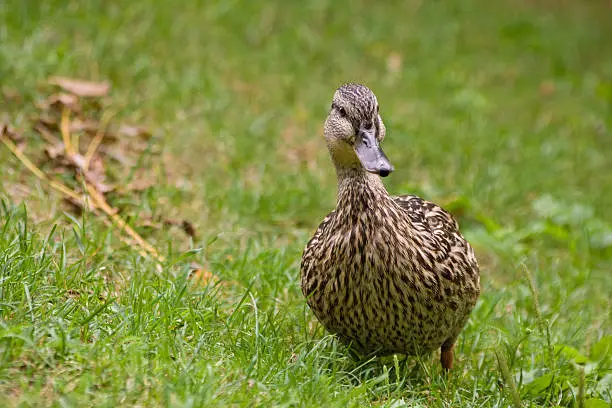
{"x": 389, "y": 274}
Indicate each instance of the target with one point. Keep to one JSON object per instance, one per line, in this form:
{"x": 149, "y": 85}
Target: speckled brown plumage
{"x": 385, "y": 274}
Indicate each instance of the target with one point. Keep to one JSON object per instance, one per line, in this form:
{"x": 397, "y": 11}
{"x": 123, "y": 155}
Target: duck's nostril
{"x": 383, "y": 173}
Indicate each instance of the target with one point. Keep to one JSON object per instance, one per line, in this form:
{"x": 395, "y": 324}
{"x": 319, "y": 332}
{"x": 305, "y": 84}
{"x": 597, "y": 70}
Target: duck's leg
{"x": 446, "y": 355}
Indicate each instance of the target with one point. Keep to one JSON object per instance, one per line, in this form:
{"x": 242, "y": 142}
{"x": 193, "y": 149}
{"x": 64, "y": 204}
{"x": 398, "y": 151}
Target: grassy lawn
{"x": 501, "y": 111}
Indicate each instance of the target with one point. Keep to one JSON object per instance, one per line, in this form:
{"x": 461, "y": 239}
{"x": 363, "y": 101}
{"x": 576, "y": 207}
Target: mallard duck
{"x": 386, "y": 274}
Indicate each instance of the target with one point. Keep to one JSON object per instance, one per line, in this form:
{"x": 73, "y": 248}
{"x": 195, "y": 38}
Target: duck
{"x": 385, "y": 274}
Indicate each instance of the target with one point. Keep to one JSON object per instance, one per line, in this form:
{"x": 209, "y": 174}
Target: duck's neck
{"x": 359, "y": 190}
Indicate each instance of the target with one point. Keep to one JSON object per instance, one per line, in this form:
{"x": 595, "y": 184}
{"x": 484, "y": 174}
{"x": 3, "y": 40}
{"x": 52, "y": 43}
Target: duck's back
{"x": 398, "y": 278}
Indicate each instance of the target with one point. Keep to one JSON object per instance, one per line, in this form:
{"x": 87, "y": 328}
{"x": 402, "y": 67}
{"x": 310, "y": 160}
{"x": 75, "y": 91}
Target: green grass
{"x": 502, "y": 111}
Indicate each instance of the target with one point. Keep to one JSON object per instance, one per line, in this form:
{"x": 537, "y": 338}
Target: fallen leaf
{"x": 184, "y": 225}
{"x": 189, "y": 229}
{"x": 201, "y": 276}
{"x": 75, "y": 113}
{"x": 46, "y": 134}
{"x": 76, "y": 207}
{"x": 8, "y": 131}
{"x": 139, "y": 185}
{"x": 118, "y": 154}
{"x": 84, "y": 125}
{"x": 48, "y": 121}
{"x": 13, "y": 135}
{"x": 81, "y": 87}
{"x": 134, "y": 131}
{"x": 95, "y": 174}
{"x": 60, "y": 100}
{"x": 55, "y": 151}
{"x": 148, "y": 222}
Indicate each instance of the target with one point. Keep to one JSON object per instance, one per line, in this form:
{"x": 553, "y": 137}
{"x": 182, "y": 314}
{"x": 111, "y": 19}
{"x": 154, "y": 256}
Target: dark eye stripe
{"x": 339, "y": 109}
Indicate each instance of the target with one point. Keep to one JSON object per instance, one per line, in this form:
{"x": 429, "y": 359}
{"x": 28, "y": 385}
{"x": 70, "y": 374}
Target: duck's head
{"x": 354, "y": 131}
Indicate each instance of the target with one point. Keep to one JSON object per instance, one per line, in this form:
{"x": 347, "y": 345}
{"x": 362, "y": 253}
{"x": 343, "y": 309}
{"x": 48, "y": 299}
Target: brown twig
{"x": 65, "y": 130}
{"x": 95, "y": 143}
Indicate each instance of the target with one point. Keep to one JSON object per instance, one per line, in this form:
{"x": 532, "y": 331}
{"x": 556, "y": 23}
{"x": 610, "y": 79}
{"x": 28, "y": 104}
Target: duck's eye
{"x": 338, "y": 109}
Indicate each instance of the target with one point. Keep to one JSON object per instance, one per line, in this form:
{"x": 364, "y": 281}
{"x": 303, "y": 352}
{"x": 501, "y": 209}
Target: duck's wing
{"x": 455, "y": 262}
{"x": 440, "y": 227}
{"x": 316, "y": 238}
{"x": 428, "y": 216}
{"x": 316, "y": 250}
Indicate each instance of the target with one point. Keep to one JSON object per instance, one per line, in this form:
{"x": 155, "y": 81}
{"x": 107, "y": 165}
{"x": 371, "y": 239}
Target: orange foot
{"x": 446, "y": 357}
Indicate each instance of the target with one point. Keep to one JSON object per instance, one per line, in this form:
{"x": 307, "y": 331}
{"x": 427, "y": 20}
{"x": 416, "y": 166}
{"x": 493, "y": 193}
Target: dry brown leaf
{"x": 95, "y": 174}
{"x": 42, "y": 105}
{"x": 134, "y": 131}
{"x": 55, "y": 151}
{"x": 184, "y": 225}
{"x": 147, "y": 221}
{"x": 9, "y": 131}
{"x": 140, "y": 184}
{"x": 46, "y": 134}
{"x": 89, "y": 172}
{"x": 67, "y": 118}
{"x": 84, "y": 125}
{"x": 201, "y": 276}
{"x": 118, "y": 154}
{"x": 76, "y": 206}
{"x": 189, "y": 229}
{"x": 80, "y": 87}
{"x": 50, "y": 122}
{"x": 60, "y": 100}
{"x": 12, "y": 134}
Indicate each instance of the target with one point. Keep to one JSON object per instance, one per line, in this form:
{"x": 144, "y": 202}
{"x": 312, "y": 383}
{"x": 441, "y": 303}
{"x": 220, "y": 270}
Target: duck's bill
{"x": 371, "y": 156}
